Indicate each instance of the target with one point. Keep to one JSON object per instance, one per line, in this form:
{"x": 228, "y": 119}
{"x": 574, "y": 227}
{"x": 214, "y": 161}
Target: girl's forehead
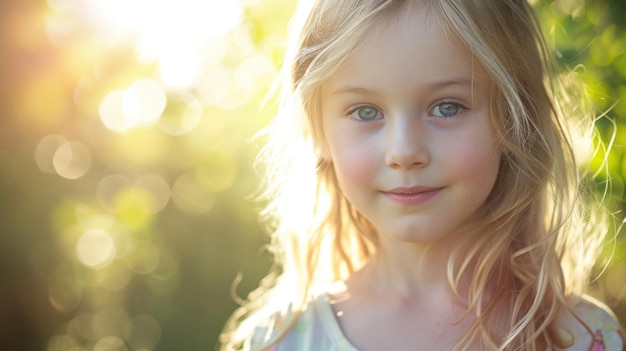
{"x": 415, "y": 24}
{"x": 411, "y": 46}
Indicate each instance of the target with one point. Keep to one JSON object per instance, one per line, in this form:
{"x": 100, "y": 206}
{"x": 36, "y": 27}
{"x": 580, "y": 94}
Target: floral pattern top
{"x": 318, "y": 329}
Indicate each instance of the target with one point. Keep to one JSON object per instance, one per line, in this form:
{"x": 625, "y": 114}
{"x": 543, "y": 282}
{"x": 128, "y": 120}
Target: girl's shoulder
{"x": 608, "y": 334}
{"x": 313, "y": 327}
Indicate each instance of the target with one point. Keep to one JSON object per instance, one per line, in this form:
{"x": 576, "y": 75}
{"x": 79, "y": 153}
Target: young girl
{"x": 425, "y": 188}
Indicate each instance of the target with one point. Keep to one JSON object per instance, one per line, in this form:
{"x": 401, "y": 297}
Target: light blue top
{"x": 317, "y": 329}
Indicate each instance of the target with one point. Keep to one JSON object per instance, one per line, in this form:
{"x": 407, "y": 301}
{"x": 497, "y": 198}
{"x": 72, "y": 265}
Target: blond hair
{"x": 542, "y": 233}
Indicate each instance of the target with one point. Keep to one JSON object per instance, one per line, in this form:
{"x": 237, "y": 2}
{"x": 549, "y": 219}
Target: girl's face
{"x": 407, "y": 128}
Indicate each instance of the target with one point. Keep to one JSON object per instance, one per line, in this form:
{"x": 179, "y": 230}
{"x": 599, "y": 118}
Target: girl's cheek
{"x": 474, "y": 162}
{"x": 356, "y": 157}
{"x": 361, "y": 168}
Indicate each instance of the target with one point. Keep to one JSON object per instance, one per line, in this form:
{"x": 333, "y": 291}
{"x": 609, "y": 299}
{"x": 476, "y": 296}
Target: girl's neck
{"x": 403, "y": 291}
{"x": 409, "y": 271}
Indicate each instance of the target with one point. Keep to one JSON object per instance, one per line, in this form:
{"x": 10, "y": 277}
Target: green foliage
{"x": 126, "y": 162}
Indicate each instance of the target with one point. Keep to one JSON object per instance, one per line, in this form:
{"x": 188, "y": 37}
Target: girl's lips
{"x": 412, "y": 196}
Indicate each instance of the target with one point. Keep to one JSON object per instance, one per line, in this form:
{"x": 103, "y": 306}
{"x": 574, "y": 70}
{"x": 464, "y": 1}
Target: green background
{"x": 131, "y": 240}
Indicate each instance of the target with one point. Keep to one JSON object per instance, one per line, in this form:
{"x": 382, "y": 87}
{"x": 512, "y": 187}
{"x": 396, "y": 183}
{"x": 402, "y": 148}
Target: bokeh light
{"x": 72, "y": 160}
{"x": 144, "y": 101}
{"x": 63, "y": 343}
{"x": 144, "y": 332}
{"x": 215, "y": 86}
{"x": 96, "y": 248}
{"x": 110, "y": 343}
{"x": 192, "y": 195}
{"x": 144, "y": 258}
{"x": 182, "y": 115}
{"x": 64, "y": 293}
{"x": 127, "y": 150}
{"x": 115, "y": 278}
{"x": 108, "y": 190}
{"x": 113, "y": 113}
{"x": 45, "y": 150}
{"x": 156, "y": 190}
{"x": 140, "y": 105}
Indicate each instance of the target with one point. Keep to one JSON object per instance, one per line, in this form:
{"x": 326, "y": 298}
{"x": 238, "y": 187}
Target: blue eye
{"x": 446, "y": 110}
{"x": 365, "y": 113}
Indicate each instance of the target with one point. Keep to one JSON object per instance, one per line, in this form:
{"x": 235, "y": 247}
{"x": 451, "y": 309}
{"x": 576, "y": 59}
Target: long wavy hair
{"x": 543, "y": 232}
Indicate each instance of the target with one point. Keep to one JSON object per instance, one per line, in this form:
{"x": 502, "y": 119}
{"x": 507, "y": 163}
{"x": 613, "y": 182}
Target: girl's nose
{"x": 407, "y": 144}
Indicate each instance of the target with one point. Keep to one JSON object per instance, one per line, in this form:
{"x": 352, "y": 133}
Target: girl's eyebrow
{"x": 434, "y": 85}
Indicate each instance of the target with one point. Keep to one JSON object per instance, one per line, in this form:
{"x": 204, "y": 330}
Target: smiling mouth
{"x": 411, "y": 190}
{"x": 412, "y": 196}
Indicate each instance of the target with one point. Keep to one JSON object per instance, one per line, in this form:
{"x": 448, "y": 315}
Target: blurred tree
{"x": 126, "y": 161}
{"x": 589, "y": 37}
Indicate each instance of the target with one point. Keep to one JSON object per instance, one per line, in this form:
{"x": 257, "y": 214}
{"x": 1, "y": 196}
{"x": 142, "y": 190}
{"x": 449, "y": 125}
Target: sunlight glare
{"x": 169, "y": 32}
{"x": 192, "y": 22}
{"x": 179, "y": 68}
